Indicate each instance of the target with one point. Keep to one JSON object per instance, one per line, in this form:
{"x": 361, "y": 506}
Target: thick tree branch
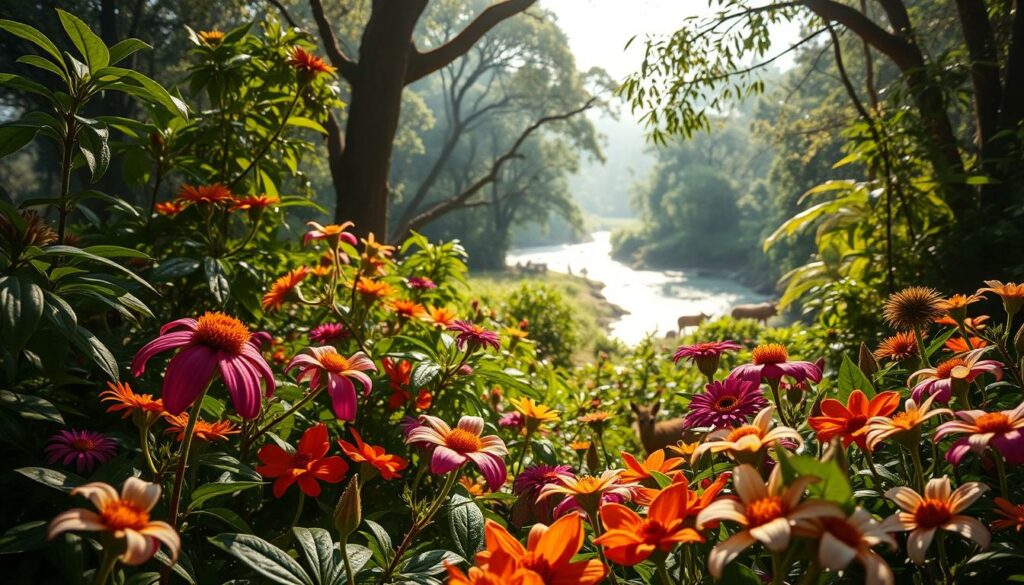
{"x": 423, "y": 64}
{"x": 981, "y": 48}
{"x": 895, "y": 47}
{"x": 460, "y": 200}
{"x": 284, "y": 12}
{"x": 346, "y": 67}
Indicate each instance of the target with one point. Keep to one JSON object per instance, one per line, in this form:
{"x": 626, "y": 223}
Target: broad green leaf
{"x": 142, "y": 87}
{"x": 24, "y": 537}
{"x": 322, "y": 556}
{"x": 379, "y": 541}
{"x": 88, "y": 43}
{"x": 264, "y": 558}
{"x": 44, "y": 64}
{"x": 850, "y": 379}
{"x": 82, "y": 254}
{"x": 64, "y": 481}
{"x": 91, "y": 346}
{"x": 301, "y": 122}
{"x": 430, "y": 562}
{"x": 174, "y": 268}
{"x": 95, "y": 147}
{"x": 125, "y": 48}
{"x": 212, "y": 490}
{"x": 14, "y": 138}
{"x": 216, "y": 279}
{"x": 228, "y": 517}
{"x": 21, "y": 305}
{"x": 423, "y": 374}
{"x": 833, "y": 484}
{"x": 465, "y": 525}
{"x": 30, "y": 407}
{"x": 32, "y": 35}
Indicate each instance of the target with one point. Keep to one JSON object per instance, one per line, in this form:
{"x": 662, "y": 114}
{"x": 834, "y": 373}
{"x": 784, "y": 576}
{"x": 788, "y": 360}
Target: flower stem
{"x": 1001, "y": 470}
{"x": 186, "y": 446}
{"x": 144, "y": 443}
{"x": 106, "y": 567}
{"x": 343, "y": 545}
{"x": 871, "y": 466}
{"x": 663, "y": 574}
{"x": 418, "y": 525}
{"x": 298, "y": 508}
{"x": 522, "y": 454}
{"x": 915, "y": 457}
{"x": 943, "y": 563}
{"x": 266, "y": 146}
{"x": 266, "y": 428}
{"x": 921, "y": 349}
{"x": 779, "y": 406}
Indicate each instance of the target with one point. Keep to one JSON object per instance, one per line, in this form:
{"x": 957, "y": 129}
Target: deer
{"x": 760, "y": 311}
{"x": 691, "y": 321}
{"x": 654, "y": 434}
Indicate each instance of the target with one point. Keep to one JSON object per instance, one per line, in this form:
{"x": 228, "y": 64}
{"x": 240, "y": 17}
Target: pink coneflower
{"x": 473, "y": 335}
{"x": 453, "y": 448}
{"x": 999, "y": 430}
{"x": 324, "y": 366}
{"x": 705, "y": 355}
{"x": 530, "y": 481}
{"x": 771, "y": 363}
{"x": 84, "y": 449}
{"x": 211, "y": 342}
{"x": 420, "y": 283}
{"x": 407, "y": 425}
{"x": 328, "y": 333}
{"x": 728, "y": 403}
{"x": 939, "y": 381}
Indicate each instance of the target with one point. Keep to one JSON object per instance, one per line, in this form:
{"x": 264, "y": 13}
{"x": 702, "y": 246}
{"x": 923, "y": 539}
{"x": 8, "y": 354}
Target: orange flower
{"x": 746, "y": 442}
{"x": 545, "y": 560}
{"x": 308, "y": 63}
{"x": 974, "y": 324}
{"x": 587, "y": 490}
{"x": 204, "y": 431}
{"x": 939, "y": 509}
{"x": 903, "y": 425}
{"x": 898, "y": 348}
{"x": 637, "y": 472}
{"x": 210, "y": 37}
{"x": 1012, "y": 515}
{"x": 374, "y": 249}
{"x": 685, "y": 449}
{"x": 373, "y": 456}
{"x": 579, "y": 446}
{"x": 630, "y": 539}
{"x": 515, "y": 332}
{"x": 840, "y": 541}
{"x": 849, "y": 422}
{"x": 282, "y": 288}
{"x": 255, "y": 202}
{"x": 535, "y": 414}
{"x": 373, "y": 289}
{"x": 170, "y": 207}
{"x": 129, "y": 402}
{"x": 441, "y": 317}
{"x": 1011, "y": 293}
{"x": 407, "y": 309}
{"x": 474, "y": 488}
{"x": 694, "y": 502}
{"x": 125, "y": 516}
{"x": 958, "y": 345}
{"x": 206, "y": 194}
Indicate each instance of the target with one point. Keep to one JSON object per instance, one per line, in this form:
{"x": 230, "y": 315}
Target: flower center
{"x": 842, "y": 530}
{"x": 856, "y": 422}
{"x": 334, "y": 362}
{"x": 772, "y": 353}
{"x": 222, "y": 332}
{"x": 906, "y": 420}
{"x": 120, "y": 514}
{"x": 652, "y": 531}
{"x": 463, "y": 441}
{"x": 83, "y": 445}
{"x": 993, "y": 422}
{"x": 932, "y": 513}
{"x": 726, "y": 403}
{"x": 765, "y": 510}
{"x": 587, "y": 485}
{"x": 301, "y": 460}
{"x": 945, "y": 369}
{"x": 743, "y": 431}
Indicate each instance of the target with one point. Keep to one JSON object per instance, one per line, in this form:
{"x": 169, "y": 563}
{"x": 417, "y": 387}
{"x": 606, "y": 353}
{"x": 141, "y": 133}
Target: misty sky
{"x": 599, "y": 29}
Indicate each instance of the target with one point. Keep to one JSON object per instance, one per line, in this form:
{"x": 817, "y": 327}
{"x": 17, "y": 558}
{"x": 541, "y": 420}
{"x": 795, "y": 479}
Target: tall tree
{"x": 388, "y": 61}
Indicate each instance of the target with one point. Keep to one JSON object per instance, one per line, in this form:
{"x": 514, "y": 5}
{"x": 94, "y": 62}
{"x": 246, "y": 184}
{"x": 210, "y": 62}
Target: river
{"x": 652, "y": 299}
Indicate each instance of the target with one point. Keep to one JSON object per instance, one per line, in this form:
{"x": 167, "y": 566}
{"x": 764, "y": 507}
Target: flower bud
{"x": 592, "y": 461}
{"x": 348, "y": 514}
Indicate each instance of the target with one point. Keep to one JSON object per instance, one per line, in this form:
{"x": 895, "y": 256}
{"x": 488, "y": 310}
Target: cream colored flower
{"x": 841, "y": 541}
{"x": 767, "y": 513}
{"x": 880, "y": 428}
{"x": 939, "y": 509}
{"x": 743, "y": 442}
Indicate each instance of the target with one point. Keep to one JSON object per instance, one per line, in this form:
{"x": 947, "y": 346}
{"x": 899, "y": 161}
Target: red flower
{"x": 307, "y": 62}
{"x": 307, "y": 465}
{"x": 215, "y": 193}
{"x": 373, "y": 455}
{"x": 849, "y": 422}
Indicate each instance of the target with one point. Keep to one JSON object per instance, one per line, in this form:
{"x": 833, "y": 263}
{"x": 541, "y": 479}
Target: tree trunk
{"x": 361, "y": 177}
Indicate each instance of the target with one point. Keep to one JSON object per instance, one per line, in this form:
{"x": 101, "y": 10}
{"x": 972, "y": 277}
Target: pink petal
{"x": 445, "y": 460}
{"x": 423, "y": 434}
{"x": 492, "y": 468}
{"x": 472, "y": 424}
{"x": 187, "y": 323}
{"x": 138, "y": 548}
{"x": 187, "y": 375}
{"x": 75, "y": 519}
{"x": 162, "y": 343}
{"x": 143, "y": 494}
{"x": 343, "y": 397}
{"x": 243, "y": 384}
{"x": 260, "y": 365}
{"x": 363, "y": 379}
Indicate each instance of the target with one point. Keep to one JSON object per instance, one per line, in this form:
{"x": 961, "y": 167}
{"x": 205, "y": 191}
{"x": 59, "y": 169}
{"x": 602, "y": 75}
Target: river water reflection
{"x": 652, "y": 299}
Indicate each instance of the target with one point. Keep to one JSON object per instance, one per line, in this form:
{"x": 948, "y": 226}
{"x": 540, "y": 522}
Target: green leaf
{"x": 21, "y": 84}
{"x": 423, "y": 374}
{"x": 301, "y": 122}
{"x": 833, "y": 485}
{"x": 850, "y": 379}
{"x": 32, "y": 35}
{"x": 228, "y": 517}
{"x": 64, "y": 481}
{"x": 466, "y": 525}
{"x": 262, "y": 557}
{"x": 21, "y": 305}
{"x": 174, "y": 268}
{"x": 79, "y": 253}
{"x": 95, "y": 147}
{"x": 212, "y": 490}
{"x": 30, "y": 407}
{"x": 24, "y": 537}
{"x": 379, "y": 542}
{"x": 14, "y": 138}
{"x": 138, "y": 85}
{"x": 125, "y": 48}
{"x": 322, "y": 556}
{"x": 89, "y": 45}
{"x": 216, "y": 279}
{"x": 44, "y": 64}
{"x": 111, "y": 251}
{"x": 91, "y": 346}
{"x": 430, "y": 562}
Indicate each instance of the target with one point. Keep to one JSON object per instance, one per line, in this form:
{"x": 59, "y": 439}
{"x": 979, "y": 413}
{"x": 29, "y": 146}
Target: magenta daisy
{"x": 729, "y": 403}
{"x": 473, "y": 335}
{"x": 705, "y": 355}
{"x": 324, "y": 366}
{"x": 210, "y": 343}
{"x": 328, "y": 333}
{"x": 420, "y": 283}
{"x": 453, "y": 448}
{"x": 939, "y": 381}
{"x": 84, "y": 449}
{"x": 527, "y": 486}
{"x": 999, "y": 430}
{"x": 771, "y": 363}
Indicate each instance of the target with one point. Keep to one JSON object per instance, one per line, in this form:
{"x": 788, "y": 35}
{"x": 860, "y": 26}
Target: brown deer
{"x": 690, "y": 321}
{"x": 654, "y": 434}
{"x": 760, "y": 311}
